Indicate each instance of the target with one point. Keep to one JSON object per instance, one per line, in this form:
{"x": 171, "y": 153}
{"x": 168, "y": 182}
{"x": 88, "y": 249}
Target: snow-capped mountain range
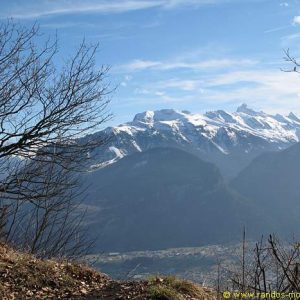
{"x": 230, "y": 140}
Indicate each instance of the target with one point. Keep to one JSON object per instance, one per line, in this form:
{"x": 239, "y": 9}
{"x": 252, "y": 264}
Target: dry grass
{"x": 172, "y": 288}
{"x": 22, "y": 276}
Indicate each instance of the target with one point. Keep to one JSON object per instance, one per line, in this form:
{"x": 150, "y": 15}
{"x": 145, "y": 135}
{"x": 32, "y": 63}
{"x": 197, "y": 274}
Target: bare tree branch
{"x": 46, "y": 116}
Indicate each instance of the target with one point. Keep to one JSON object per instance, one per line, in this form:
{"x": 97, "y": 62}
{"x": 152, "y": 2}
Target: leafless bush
{"x": 272, "y": 267}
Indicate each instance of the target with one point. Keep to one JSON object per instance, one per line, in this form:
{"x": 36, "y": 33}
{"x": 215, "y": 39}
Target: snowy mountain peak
{"x": 221, "y": 116}
{"x": 294, "y": 117}
{"x": 144, "y": 117}
{"x": 248, "y": 111}
{"x": 212, "y": 135}
{"x": 159, "y": 115}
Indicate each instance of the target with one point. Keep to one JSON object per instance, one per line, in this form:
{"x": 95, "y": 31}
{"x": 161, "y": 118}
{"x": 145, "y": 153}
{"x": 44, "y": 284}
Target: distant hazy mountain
{"x": 156, "y": 183}
{"x": 165, "y": 198}
{"x": 272, "y": 183}
{"x": 230, "y": 140}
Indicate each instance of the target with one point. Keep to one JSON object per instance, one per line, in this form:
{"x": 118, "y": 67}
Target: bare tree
{"x": 291, "y": 60}
{"x": 272, "y": 267}
{"x": 46, "y": 114}
{"x": 52, "y": 225}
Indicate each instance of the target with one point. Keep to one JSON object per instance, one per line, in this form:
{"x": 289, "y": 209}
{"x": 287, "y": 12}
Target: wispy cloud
{"x": 46, "y": 8}
{"x": 37, "y": 9}
{"x": 290, "y": 40}
{"x": 139, "y": 65}
{"x": 276, "y": 29}
{"x": 142, "y": 65}
{"x": 184, "y": 85}
{"x": 273, "y": 90}
{"x": 269, "y": 89}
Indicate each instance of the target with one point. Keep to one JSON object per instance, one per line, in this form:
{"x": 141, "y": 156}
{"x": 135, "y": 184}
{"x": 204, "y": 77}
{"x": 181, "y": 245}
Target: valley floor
{"x": 198, "y": 264}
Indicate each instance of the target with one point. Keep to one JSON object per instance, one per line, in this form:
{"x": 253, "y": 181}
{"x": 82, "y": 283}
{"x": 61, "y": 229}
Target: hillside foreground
{"x": 23, "y": 276}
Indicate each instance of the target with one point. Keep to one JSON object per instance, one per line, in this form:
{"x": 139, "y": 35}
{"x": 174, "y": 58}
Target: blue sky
{"x": 195, "y": 55}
